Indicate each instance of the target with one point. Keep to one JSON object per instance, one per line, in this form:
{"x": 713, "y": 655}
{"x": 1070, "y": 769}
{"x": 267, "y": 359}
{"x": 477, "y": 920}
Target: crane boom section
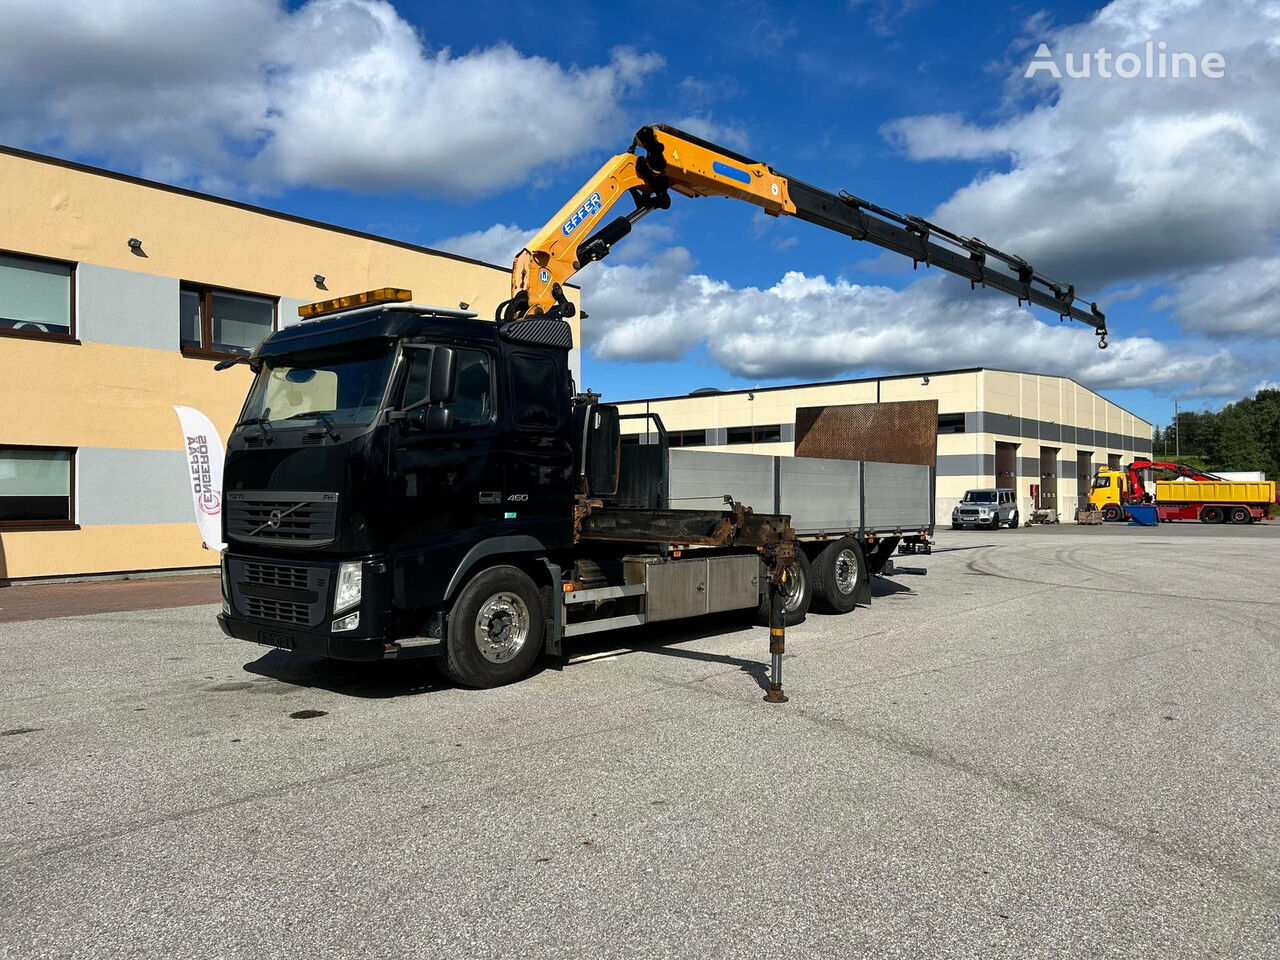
{"x": 663, "y": 160}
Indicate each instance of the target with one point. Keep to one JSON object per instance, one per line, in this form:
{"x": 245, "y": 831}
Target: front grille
{"x": 277, "y": 611}
{"x": 306, "y": 519}
{"x": 275, "y": 575}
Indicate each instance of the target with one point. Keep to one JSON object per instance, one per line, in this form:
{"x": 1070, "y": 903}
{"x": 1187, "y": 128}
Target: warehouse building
{"x": 996, "y": 428}
{"x": 117, "y": 297}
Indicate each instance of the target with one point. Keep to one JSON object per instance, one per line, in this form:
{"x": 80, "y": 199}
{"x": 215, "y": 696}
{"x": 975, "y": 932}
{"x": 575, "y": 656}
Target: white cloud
{"x": 498, "y": 244}
{"x": 1116, "y": 180}
{"x": 335, "y": 93}
{"x": 811, "y": 327}
{"x": 650, "y": 303}
{"x": 1240, "y": 299}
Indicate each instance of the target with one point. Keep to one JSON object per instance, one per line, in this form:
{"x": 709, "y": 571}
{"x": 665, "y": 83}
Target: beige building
{"x": 995, "y": 428}
{"x": 117, "y": 297}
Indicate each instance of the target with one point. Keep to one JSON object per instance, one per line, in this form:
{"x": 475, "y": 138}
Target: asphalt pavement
{"x": 1051, "y": 746}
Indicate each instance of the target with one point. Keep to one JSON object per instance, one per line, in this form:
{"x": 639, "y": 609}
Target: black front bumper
{"x": 285, "y": 637}
{"x": 288, "y": 603}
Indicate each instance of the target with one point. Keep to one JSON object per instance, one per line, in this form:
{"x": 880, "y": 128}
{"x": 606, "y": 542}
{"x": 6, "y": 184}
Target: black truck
{"x": 413, "y": 481}
{"x": 410, "y": 481}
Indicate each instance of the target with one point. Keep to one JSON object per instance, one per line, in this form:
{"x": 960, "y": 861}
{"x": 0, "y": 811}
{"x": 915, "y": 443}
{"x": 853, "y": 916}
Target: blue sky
{"x": 465, "y": 126}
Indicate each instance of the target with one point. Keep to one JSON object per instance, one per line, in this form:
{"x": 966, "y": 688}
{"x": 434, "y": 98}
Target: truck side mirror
{"x": 442, "y": 383}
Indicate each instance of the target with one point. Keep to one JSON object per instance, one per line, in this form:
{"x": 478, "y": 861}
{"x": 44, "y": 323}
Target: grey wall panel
{"x": 821, "y": 496}
{"x": 701, "y": 478}
{"x": 287, "y": 313}
{"x": 976, "y": 465}
{"x": 126, "y": 308}
{"x": 898, "y": 496}
{"x": 132, "y": 486}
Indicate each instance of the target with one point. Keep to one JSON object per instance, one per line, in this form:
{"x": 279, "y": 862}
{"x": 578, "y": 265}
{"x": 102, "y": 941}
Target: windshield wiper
{"x": 330, "y": 427}
{"x": 262, "y": 422}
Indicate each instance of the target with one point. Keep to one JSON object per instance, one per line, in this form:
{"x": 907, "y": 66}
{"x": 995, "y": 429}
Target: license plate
{"x": 274, "y": 639}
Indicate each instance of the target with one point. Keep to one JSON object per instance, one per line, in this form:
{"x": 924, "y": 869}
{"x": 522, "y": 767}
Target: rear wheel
{"x": 1241, "y": 515}
{"x": 837, "y": 572}
{"x": 1013, "y": 524}
{"x": 1112, "y": 513}
{"x": 495, "y": 629}
{"x": 1211, "y": 515}
{"x": 800, "y": 597}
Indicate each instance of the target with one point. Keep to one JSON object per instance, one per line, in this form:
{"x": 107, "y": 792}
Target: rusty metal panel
{"x": 900, "y": 431}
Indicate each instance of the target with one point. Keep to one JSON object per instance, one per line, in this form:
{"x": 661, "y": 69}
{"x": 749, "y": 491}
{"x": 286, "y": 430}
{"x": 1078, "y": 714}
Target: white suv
{"x": 986, "y": 508}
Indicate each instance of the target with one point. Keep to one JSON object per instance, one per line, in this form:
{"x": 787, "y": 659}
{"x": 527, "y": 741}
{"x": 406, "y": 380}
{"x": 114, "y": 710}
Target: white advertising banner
{"x": 204, "y": 473}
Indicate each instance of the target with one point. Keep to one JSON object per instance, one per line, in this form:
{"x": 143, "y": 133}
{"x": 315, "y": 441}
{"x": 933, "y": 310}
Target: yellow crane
{"x": 663, "y": 160}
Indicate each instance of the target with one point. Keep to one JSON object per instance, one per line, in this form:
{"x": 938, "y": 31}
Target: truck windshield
{"x": 343, "y": 385}
{"x": 980, "y": 496}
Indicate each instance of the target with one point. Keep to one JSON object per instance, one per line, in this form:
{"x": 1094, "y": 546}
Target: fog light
{"x": 350, "y": 584}
{"x": 349, "y": 622}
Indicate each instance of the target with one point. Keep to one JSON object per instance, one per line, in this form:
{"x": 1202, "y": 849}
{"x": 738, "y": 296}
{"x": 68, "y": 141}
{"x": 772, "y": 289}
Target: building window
{"x": 35, "y": 297}
{"x": 764, "y": 433}
{"x": 686, "y": 438}
{"x": 36, "y": 485}
{"x": 223, "y": 323}
{"x": 951, "y": 423}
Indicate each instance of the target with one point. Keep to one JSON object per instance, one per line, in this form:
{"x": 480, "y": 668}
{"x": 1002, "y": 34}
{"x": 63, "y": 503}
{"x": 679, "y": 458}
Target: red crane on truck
{"x": 1195, "y": 495}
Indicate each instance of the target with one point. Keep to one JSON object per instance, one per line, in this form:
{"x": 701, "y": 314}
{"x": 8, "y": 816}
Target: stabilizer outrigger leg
{"x": 780, "y": 586}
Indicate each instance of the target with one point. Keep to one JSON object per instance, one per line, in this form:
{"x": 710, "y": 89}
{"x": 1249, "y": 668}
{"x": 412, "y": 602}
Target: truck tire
{"x": 1112, "y": 512}
{"x": 496, "y": 629}
{"x": 837, "y": 573}
{"x": 798, "y": 604}
{"x": 1211, "y": 515}
{"x": 1241, "y": 515}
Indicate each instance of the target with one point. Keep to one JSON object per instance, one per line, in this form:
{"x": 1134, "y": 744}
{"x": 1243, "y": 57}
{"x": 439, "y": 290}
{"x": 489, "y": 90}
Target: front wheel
{"x": 995, "y": 522}
{"x": 838, "y": 571}
{"x": 495, "y": 629}
{"x": 801, "y": 595}
{"x": 1112, "y": 512}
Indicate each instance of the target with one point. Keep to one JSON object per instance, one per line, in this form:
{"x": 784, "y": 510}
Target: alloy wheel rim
{"x": 846, "y": 571}
{"x": 502, "y": 627}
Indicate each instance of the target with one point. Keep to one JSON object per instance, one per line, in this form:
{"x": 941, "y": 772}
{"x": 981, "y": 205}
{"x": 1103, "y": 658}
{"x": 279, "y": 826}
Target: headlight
{"x": 350, "y": 582}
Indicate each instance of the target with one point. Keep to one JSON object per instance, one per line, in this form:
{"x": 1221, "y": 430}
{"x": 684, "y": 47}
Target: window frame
{"x": 70, "y": 336}
{"x": 67, "y": 524}
{"x": 206, "y": 292}
{"x": 410, "y": 350}
{"x": 513, "y": 401}
{"x": 751, "y": 437}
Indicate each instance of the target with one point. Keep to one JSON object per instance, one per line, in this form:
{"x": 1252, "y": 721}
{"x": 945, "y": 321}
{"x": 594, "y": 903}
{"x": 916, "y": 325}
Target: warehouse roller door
{"x": 1049, "y": 478}
{"x": 1084, "y": 476}
{"x": 1007, "y": 465}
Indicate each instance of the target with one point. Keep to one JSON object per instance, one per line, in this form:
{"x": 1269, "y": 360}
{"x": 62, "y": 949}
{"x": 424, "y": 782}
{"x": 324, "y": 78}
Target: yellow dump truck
{"x": 1196, "y": 495}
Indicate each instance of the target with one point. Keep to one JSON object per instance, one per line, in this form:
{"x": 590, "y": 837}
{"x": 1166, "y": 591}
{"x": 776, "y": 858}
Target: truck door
{"x": 538, "y": 493}
{"x": 448, "y": 483}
